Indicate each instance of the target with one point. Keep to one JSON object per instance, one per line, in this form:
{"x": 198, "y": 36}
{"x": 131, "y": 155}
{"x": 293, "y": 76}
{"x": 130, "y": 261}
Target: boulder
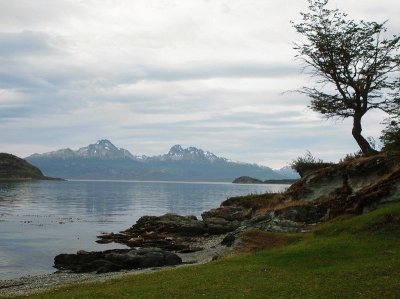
{"x": 115, "y": 260}
{"x": 170, "y": 223}
{"x": 228, "y": 213}
{"x": 225, "y": 219}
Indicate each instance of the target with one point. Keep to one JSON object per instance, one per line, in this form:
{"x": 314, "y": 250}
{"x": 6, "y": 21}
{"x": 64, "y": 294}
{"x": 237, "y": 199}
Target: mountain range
{"x": 103, "y": 160}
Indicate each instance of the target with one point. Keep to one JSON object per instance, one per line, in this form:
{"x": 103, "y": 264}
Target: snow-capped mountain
{"x": 103, "y": 160}
{"x": 191, "y": 154}
{"x": 65, "y": 153}
{"x": 101, "y": 149}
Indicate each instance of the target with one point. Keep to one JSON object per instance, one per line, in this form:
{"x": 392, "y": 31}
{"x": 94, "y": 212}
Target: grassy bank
{"x": 350, "y": 258}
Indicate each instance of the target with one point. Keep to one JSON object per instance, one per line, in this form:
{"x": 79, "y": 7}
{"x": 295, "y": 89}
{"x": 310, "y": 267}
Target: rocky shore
{"x": 172, "y": 240}
{"x": 38, "y": 283}
{"x": 156, "y": 241}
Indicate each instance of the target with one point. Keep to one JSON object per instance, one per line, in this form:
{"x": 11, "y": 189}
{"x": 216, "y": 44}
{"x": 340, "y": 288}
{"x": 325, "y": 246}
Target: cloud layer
{"x": 150, "y": 74}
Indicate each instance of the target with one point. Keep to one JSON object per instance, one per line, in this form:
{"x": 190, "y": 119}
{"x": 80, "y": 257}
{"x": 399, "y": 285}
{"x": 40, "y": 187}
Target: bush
{"x": 391, "y": 135}
{"x": 308, "y": 163}
{"x": 351, "y": 157}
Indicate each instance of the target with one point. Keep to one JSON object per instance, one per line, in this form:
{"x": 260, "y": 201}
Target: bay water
{"x": 40, "y": 219}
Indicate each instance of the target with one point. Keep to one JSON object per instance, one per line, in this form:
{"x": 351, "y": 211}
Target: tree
{"x": 355, "y": 65}
{"x": 391, "y": 135}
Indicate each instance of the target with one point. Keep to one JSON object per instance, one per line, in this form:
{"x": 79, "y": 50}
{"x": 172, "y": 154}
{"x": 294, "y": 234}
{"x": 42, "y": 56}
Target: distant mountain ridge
{"x": 177, "y": 153}
{"x": 101, "y": 149}
{"x": 103, "y": 160}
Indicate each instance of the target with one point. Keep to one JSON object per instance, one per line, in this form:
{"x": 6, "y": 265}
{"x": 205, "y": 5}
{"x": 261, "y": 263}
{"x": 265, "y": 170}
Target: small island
{"x": 250, "y": 180}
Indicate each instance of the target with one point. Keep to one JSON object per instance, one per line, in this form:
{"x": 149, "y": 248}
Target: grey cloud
{"x": 25, "y": 43}
{"x": 22, "y": 82}
{"x": 238, "y": 138}
{"x": 238, "y": 122}
{"x": 13, "y": 112}
{"x": 216, "y": 70}
{"x": 284, "y": 118}
{"x": 38, "y": 75}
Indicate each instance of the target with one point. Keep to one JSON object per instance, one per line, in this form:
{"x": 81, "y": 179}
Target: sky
{"x": 146, "y": 75}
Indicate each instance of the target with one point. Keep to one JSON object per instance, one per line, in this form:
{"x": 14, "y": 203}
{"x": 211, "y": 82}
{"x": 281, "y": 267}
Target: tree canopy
{"x": 355, "y": 63}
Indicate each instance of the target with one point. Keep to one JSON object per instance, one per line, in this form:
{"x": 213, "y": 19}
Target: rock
{"x": 225, "y": 219}
{"x": 169, "y": 232}
{"x": 171, "y": 223}
{"x": 230, "y": 238}
{"x": 228, "y": 213}
{"x": 353, "y": 186}
{"x": 116, "y": 260}
{"x": 217, "y": 226}
{"x": 302, "y": 213}
{"x": 263, "y": 217}
{"x": 177, "y": 233}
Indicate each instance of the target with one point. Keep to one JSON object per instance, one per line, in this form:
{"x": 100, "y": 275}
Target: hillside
{"x": 12, "y": 167}
{"x": 103, "y": 160}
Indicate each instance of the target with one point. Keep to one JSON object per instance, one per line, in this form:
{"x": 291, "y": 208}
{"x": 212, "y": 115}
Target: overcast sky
{"x": 148, "y": 74}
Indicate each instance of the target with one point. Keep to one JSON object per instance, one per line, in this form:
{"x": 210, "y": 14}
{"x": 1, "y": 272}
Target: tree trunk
{"x": 361, "y": 141}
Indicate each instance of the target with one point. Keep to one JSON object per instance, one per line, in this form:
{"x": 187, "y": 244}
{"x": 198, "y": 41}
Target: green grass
{"x": 352, "y": 258}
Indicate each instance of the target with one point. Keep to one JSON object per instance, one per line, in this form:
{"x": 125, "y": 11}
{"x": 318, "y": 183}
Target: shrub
{"x": 391, "y": 135}
{"x": 351, "y": 157}
{"x": 308, "y": 163}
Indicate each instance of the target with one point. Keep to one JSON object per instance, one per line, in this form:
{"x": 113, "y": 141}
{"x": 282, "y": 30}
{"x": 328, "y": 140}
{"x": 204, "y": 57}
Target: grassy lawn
{"x": 351, "y": 258}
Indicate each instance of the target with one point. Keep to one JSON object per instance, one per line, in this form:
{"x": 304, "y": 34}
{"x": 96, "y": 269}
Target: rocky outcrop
{"x": 178, "y": 233}
{"x": 350, "y": 187}
{"x": 225, "y": 219}
{"x": 115, "y": 260}
{"x": 169, "y": 232}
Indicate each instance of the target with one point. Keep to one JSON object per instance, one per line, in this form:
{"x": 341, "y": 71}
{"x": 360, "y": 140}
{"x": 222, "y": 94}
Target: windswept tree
{"x": 356, "y": 66}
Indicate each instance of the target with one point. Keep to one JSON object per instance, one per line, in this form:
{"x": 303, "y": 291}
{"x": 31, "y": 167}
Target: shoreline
{"x": 31, "y": 284}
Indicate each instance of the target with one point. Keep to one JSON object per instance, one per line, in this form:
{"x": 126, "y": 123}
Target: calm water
{"x": 41, "y": 219}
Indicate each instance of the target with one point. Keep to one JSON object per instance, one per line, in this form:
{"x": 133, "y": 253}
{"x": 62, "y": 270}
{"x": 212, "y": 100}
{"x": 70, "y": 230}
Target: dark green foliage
{"x": 355, "y": 64}
{"x": 391, "y": 136}
{"x": 308, "y": 163}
